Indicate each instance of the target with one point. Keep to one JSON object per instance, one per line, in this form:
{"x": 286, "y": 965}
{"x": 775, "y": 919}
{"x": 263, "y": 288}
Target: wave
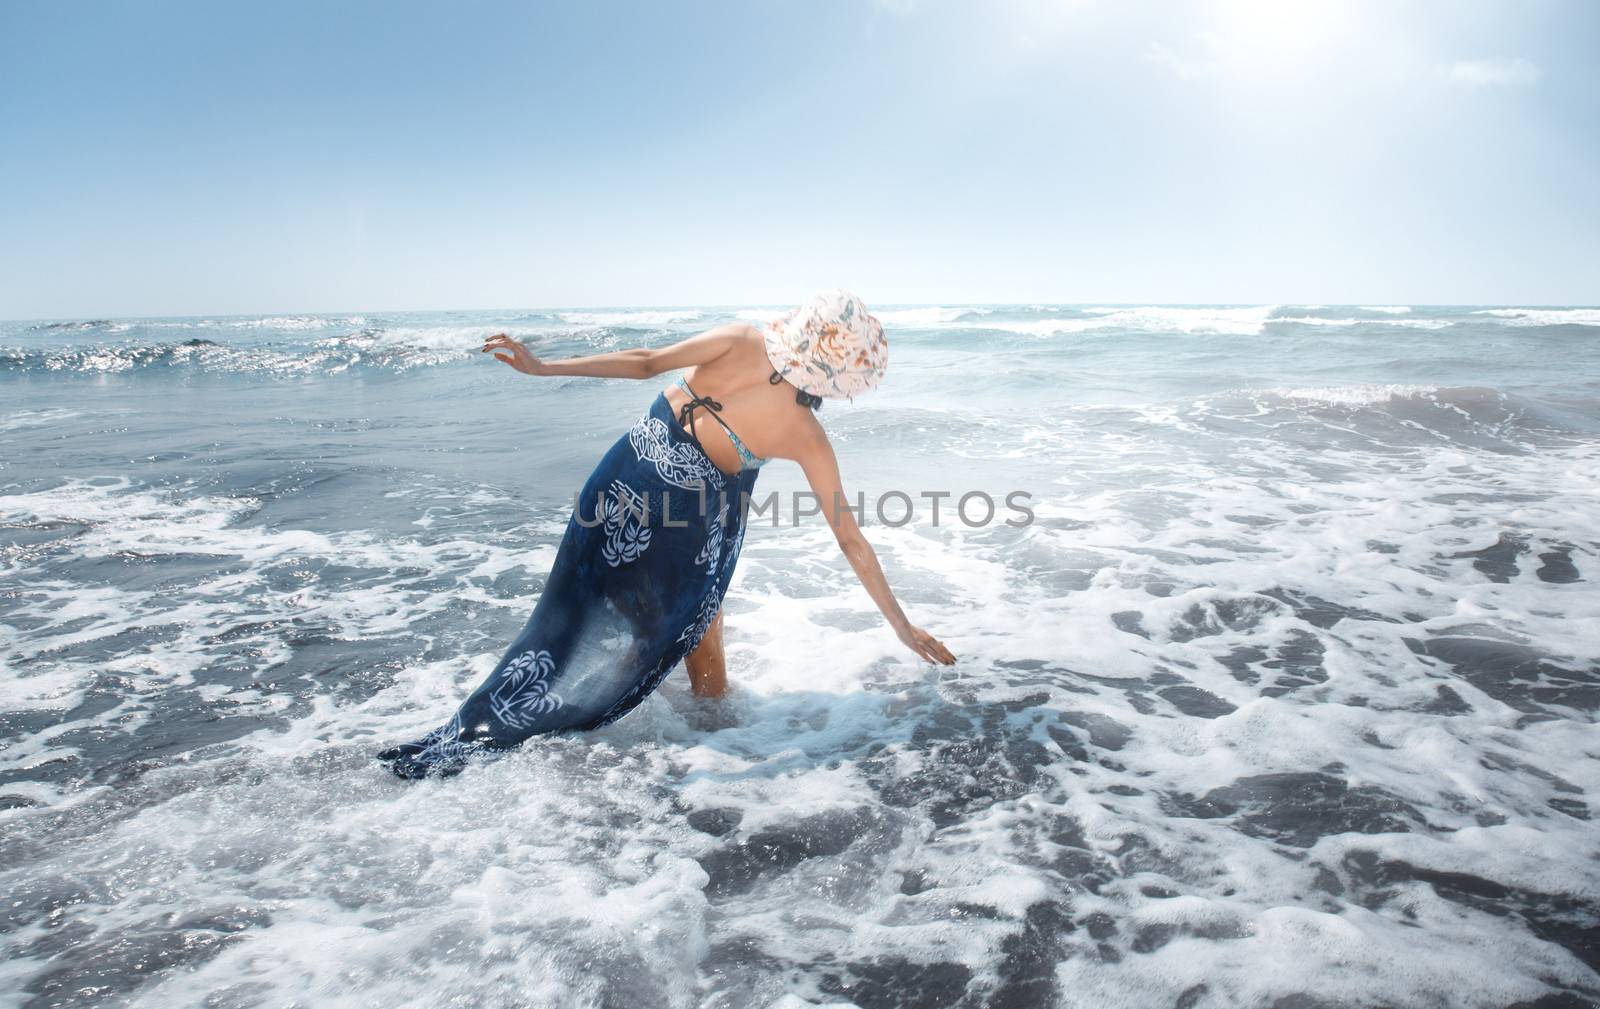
{"x": 1358, "y": 395}
{"x": 760, "y": 314}
{"x": 1316, "y": 320}
{"x": 35, "y": 418}
{"x": 1473, "y": 401}
{"x": 457, "y": 339}
{"x": 1252, "y": 321}
{"x": 289, "y": 322}
{"x": 925, "y": 317}
{"x": 369, "y": 348}
{"x": 632, "y": 319}
{"x": 932, "y": 315}
{"x": 56, "y": 327}
{"x": 105, "y": 359}
{"x": 302, "y": 344}
{"x": 394, "y": 347}
{"x": 1399, "y": 415}
{"x": 1201, "y": 320}
{"x": 1150, "y": 318}
{"x": 1544, "y": 316}
{"x": 1246, "y": 321}
{"x": 1235, "y": 321}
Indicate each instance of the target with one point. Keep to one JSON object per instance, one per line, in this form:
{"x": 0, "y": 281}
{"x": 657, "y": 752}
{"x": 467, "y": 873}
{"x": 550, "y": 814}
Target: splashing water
{"x": 1286, "y": 696}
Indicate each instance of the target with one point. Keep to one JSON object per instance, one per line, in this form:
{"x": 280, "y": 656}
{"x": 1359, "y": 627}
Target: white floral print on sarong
{"x": 523, "y": 693}
{"x": 682, "y": 464}
{"x": 627, "y": 517}
{"x": 702, "y": 621}
{"x": 711, "y": 552}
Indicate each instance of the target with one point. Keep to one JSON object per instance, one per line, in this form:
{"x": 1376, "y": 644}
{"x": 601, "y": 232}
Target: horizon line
{"x": 885, "y": 306}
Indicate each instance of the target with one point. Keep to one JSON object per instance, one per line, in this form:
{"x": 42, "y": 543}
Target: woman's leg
{"x": 708, "y": 672}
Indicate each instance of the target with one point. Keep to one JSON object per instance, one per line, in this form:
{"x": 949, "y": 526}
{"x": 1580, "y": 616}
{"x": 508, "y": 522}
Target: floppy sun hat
{"x": 830, "y": 346}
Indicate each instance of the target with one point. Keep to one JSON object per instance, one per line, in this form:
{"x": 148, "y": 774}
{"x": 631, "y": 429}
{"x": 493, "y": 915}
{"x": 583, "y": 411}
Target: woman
{"x": 638, "y": 580}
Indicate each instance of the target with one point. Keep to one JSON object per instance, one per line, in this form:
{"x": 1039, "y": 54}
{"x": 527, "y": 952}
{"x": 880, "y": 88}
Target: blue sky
{"x": 201, "y": 157}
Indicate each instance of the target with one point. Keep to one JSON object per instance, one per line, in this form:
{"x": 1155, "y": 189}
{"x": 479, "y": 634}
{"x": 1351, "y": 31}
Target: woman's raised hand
{"x": 926, "y": 645}
{"x": 512, "y": 352}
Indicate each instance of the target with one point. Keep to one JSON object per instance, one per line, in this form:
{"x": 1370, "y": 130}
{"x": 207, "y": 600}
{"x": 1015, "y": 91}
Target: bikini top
{"x": 747, "y": 458}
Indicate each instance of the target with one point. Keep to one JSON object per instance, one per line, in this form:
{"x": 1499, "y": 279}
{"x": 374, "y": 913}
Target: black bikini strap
{"x": 686, "y": 411}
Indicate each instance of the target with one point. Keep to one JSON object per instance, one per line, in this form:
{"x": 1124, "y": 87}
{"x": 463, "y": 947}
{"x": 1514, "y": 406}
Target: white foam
{"x": 1161, "y": 319}
{"x": 568, "y": 873}
{"x": 122, "y": 521}
{"x": 761, "y": 315}
{"x": 1313, "y": 320}
{"x": 23, "y": 419}
{"x": 1352, "y": 395}
{"x": 286, "y": 322}
{"x": 1157, "y": 319}
{"x": 451, "y": 338}
{"x": 931, "y": 316}
{"x": 639, "y": 318}
{"x": 1544, "y": 316}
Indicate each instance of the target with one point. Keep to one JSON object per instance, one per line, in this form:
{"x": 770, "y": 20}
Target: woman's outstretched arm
{"x": 640, "y": 362}
{"x": 821, "y": 467}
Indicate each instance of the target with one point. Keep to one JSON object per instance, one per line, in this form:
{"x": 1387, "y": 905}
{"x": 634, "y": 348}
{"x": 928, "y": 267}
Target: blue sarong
{"x": 640, "y": 574}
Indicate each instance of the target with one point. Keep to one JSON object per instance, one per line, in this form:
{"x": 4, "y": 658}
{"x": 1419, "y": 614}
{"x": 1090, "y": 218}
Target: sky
{"x": 189, "y": 158}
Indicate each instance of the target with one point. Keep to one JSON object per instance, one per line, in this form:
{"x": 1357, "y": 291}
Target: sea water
{"x": 1283, "y": 695}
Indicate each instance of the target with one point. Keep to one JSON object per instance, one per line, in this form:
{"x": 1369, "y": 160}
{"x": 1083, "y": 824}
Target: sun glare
{"x": 1273, "y": 36}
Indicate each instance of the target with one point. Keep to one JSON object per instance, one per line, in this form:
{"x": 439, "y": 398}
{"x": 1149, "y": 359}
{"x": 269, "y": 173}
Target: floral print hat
{"x": 830, "y": 346}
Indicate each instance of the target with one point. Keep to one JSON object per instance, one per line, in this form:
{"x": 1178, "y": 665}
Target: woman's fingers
{"x": 505, "y": 358}
{"x": 934, "y": 650}
{"x": 927, "y": 647}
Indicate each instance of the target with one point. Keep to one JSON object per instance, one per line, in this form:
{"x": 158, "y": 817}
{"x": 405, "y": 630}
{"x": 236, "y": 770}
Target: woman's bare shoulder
{"x": 799, "y": 435}
{"x": 745, "y": 338}
{"x": 751, "y": 346}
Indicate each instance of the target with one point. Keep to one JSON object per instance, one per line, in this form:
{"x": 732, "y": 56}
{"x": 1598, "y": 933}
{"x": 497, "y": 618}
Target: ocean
{"x": 1283, "y": 694}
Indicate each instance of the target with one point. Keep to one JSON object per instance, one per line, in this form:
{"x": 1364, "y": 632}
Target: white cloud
{"x": 1494, "y": 73}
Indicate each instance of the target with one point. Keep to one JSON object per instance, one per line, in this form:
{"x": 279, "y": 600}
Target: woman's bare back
{"x": 765, "y": 415}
